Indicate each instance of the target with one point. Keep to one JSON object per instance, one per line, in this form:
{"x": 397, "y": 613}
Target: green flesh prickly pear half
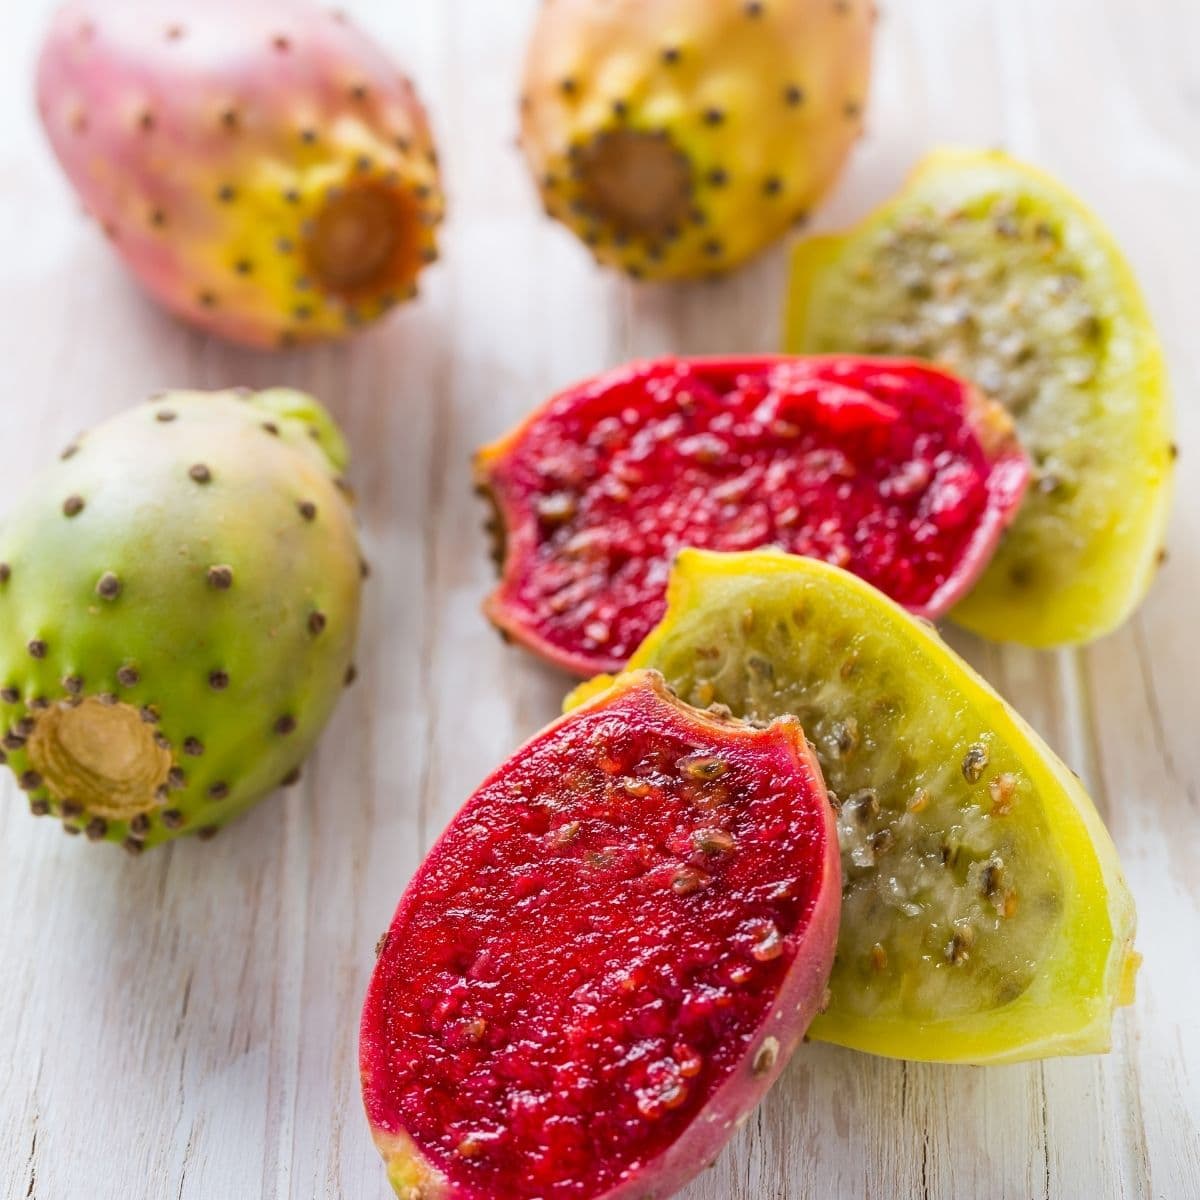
{"x": 996, "y": 271}
{"x": 263, "y": 169}
{"x": 179, "y": 601}
{"x": 678, "y": 138}
{"x": 985, "y": 917}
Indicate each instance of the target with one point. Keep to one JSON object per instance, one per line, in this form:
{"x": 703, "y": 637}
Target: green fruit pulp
{"x": 1000, "y": 275}
{"x": 983, "y": 913}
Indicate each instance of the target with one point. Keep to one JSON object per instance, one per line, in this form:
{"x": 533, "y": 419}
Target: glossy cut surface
{"x": 985, "y": 917}
{"x": 606, "y": 957}
{"x": 995, "y": 270}
{"x": 896, "y": 471}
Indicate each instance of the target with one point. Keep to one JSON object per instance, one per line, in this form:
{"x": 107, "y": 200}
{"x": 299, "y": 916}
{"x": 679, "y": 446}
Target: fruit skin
{"x": 678, "y": 138}
{"x": 263, "y": 169}
{"x": 873, "y": 416}
{"x": 1089, "y": 963}
{"x": 188, "y": 572}
{"x": 781, "y": 817}
{"x": 1059, "y": 577}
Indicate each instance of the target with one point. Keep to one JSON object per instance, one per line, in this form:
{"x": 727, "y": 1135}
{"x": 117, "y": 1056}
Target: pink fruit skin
{"x": 204, "y": 139}
{"x": 641, "y": 699}
{"x": 1006, "y": 485}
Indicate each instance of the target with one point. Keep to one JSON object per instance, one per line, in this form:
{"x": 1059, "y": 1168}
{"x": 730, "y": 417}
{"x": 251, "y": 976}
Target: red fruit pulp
{"x": 894, "y": 470}
{"x": 601, "y": 938}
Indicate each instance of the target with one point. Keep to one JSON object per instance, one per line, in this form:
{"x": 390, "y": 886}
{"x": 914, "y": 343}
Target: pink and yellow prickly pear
{"x": 680, "y": 137}
{"x": 264, "y": 169}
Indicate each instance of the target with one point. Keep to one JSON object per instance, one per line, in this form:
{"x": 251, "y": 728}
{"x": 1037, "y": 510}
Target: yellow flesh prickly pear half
{"x": 1000, "y": 274}
{"x": 678, "y": 138}
{"x": 264, "y": 170}
{"x": 984, "y": 914}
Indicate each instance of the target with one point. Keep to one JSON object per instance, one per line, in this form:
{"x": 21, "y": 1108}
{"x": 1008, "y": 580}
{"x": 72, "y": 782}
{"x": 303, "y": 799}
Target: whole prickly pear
{"x": 263, "y": 169}
{"x": 178, "y": 607}
{"x": 680, "y": 137}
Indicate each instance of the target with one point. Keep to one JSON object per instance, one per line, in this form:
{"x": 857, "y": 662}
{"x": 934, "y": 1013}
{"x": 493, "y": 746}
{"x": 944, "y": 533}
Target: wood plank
{"x": 185, "y": 1025}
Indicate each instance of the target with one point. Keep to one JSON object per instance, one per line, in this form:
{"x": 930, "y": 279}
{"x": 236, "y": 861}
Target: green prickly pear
{"x": 263, "y": 169}
{"x": 680, "y": 137}
{"x": 179, "y": 602}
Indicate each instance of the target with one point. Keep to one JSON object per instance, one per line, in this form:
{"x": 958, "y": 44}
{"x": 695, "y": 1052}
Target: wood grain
{"x": 184, "y": 1025}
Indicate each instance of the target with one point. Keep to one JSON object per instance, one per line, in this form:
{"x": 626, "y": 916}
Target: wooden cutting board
{"x": 184, "y": 1025}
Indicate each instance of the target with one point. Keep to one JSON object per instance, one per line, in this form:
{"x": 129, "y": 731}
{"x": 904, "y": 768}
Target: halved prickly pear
{"x": 679, "y": 137}
{"x": 901, "y": 473}
{"x": 263, "y": 168}
{"x": 999, "y": 273}
{"x": 984, "y": 914}
{"x": 607, "y": 958}
{"x": 178, "y": 608}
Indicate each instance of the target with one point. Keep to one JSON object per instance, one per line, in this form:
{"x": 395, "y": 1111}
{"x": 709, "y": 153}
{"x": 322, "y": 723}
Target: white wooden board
{"x": 184, "y": 1025}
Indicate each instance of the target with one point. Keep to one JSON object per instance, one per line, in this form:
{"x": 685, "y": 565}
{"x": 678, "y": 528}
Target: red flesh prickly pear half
{"x": 264, "y": 169}
{"x": 607, "y": 958}
{"x": 894, "y": 470}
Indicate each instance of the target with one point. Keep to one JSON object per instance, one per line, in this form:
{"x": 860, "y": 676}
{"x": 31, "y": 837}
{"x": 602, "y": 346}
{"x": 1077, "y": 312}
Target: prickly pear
{"x": 263, "y": 169}
{"x": 899, "y": 472}
{"x": 680, "y": 137}
{"x": 985, "y": 917}
{"x": 996, "y": 270}
{"x": 607, "y": 958}
{"x": 178, "y": 608}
